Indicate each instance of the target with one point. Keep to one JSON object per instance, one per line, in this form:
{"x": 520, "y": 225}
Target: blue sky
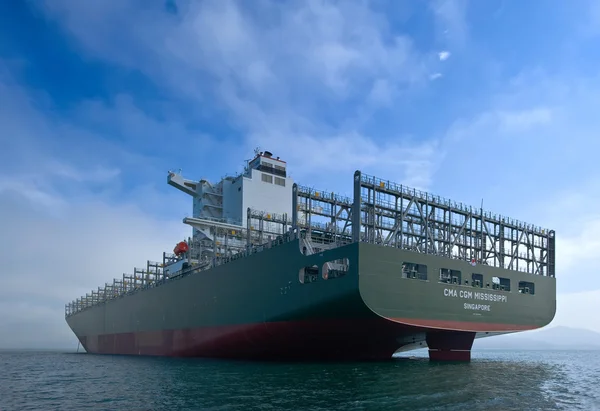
{"x": 495, "y": 100}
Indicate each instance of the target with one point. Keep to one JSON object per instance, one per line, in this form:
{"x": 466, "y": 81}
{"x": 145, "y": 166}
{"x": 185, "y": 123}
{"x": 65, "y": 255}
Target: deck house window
{"x": 414, "y": 271}
{"x": 526, "y": 287}
{"x": 477, "y": 280}
{"x": 450, "y": 276}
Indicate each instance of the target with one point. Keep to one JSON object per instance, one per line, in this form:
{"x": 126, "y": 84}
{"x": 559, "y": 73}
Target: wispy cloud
{"x": 279, "y": 92}
{"x": 65, "y": 217}
{"x": 524, "y": 120}
{"x": 531, "y": 157}
{"x": 55, "y": 259}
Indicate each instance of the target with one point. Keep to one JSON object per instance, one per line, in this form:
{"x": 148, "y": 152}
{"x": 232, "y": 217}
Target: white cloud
{"x": 444, "y": 55}
{"x": 532, "y": 156}
{"x": 31, "y": 191}
{"x": 435, "y": 76}
{"x": 273, "y": 90}
{"x": 334, "y": 156}
{"x": 62, "y": 231}
{"x": 55, "y": 259}
{"x": 525, "y": 119}
{"x": 325, "y": 44}
{"x": 97, "y": 174}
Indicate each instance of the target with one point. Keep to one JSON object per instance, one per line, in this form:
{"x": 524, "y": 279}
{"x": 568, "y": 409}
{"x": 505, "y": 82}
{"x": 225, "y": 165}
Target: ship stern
{"x": 412, "y": 289}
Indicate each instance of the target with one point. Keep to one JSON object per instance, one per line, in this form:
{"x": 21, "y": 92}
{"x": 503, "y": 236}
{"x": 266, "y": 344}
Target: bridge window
{"x": 280, "y": 181}
{"x": 335, "y": 268}
{"x": 308, "y": 274}
{"x": 526, "y": 287}
{"x": 477, "y": 280}
{"x": 501, "y": 283}
{"x": 267, "y": 178}
{"x": 450, "y": 276}
{"x": 413, "y": 270}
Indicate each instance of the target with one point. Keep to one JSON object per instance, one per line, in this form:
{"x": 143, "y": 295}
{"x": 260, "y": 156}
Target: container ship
{"x": 278, "y": 271}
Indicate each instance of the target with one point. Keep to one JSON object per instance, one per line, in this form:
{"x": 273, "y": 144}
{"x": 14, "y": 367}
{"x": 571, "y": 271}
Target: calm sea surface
{"x": 494, "y": 380}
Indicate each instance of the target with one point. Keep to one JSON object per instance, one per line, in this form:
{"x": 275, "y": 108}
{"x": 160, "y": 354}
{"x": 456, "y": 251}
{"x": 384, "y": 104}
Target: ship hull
{"x": 337, "y": 340}
{"x": 257, "y": 307}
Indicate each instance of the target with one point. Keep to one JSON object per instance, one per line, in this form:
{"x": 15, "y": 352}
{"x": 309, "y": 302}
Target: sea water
{"x": 493, "y": 380}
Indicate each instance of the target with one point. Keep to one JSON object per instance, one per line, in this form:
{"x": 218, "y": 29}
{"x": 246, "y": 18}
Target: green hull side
{"x": 433, "y": 304}
{"x": 262, "y": 287}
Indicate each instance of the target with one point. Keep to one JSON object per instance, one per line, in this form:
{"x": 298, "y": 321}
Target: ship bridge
{"x": 220, "y": 210}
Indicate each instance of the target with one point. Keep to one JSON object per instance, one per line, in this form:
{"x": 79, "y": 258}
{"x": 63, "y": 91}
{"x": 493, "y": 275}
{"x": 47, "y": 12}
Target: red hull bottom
{"x": 371, "y": 339}
{"x": 450, "y": 346}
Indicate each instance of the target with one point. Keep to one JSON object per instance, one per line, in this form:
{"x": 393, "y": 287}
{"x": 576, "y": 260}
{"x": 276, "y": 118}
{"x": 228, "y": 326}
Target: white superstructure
{"x": 264, "y": 186}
